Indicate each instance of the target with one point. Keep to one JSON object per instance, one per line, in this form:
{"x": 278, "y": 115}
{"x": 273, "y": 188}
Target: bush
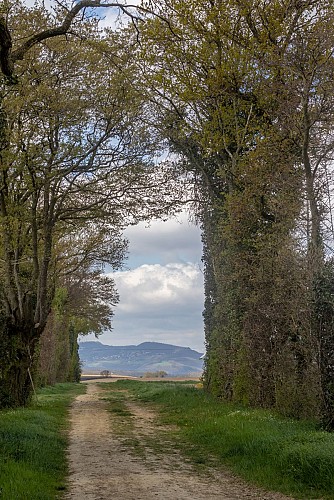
{"x": 157, "y": 374}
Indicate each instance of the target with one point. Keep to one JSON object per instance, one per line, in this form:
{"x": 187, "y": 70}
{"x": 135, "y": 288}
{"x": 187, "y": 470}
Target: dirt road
{"x": 106, "y": 464}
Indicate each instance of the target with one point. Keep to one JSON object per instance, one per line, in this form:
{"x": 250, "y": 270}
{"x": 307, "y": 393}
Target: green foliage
{"x": 323, "y": 325}
{"x": 77, "y": 160}
{"x": 157, "y": 374}
{"x": 59, "y": 352}
{"x": 59, "y": 300}
{"x": 33, "y": 445}
{"x": 240, "y": 105}
{"x": 281, "y": 454}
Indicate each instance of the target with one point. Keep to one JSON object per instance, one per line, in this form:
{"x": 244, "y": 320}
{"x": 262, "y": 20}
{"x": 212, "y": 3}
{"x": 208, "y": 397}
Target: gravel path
{"x": 104, "y": 467}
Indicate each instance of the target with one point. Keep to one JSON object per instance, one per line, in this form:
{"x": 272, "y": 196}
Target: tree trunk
{"x": 17, "y": 348}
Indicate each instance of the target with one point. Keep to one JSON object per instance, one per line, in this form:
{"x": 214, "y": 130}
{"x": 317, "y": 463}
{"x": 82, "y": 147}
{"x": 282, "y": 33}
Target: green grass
{"x": 122, "y": 419}
{"x": 33, "y": 444}
{"x": 281, "y": 454}
{"x": 116, "y": 403}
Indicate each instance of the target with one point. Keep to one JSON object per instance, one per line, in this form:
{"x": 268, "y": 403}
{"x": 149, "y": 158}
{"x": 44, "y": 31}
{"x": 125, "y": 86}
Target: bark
{"x": 6, "y": 64}
{"x": 16, "y": 364}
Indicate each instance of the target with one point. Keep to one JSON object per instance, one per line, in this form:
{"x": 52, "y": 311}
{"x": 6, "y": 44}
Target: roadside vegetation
{"x": 33, "y": 444}
{"x": 280, "y": 454}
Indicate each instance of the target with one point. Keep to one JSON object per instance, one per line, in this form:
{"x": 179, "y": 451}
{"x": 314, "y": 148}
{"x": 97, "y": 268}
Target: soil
{"x": 108, "y": 465}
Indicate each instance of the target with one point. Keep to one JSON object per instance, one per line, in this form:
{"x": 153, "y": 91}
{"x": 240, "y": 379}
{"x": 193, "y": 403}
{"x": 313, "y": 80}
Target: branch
{"x": 62, "y": 29}
{"x": 9, "y": 57}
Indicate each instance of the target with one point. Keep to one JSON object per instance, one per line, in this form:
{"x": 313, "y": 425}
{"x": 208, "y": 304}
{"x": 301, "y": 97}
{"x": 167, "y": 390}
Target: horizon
{"x": 98, "y": 341}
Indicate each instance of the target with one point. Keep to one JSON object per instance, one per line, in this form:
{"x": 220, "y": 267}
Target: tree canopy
{"x": 78, "y": 165}
{"x": 241, "y": 90}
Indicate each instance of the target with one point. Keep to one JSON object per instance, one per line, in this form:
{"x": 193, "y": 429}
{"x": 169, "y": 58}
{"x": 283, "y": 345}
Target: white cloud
{"x": 161, "y": 303}
{"x": 154, "y": 286}
{"x": 161, "y": 295}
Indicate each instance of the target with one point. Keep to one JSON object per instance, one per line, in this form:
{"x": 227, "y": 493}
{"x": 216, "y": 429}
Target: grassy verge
{"x": 33, "y": 444}
{"x": 280, "y": 454}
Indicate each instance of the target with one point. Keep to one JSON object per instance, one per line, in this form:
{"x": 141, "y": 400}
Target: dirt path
{"x": 106, "y": 465}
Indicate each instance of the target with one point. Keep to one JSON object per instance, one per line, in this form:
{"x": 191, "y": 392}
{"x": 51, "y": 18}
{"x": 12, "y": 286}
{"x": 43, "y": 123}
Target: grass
{"x": 117, "y": 406}
{"x": 280, "y": 454}
{"x": 122, "y": 419}
{"x": 33, "y": 444}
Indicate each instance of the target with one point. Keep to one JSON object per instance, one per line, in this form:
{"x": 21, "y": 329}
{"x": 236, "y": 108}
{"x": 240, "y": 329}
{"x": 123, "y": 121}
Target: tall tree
{"x": 241, "y": 91}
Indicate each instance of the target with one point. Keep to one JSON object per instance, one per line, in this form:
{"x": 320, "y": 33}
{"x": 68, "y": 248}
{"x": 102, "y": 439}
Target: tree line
{"x": 240, "y": 94}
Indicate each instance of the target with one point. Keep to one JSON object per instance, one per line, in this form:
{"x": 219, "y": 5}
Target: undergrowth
{"x": 33, "y": 445}
{"x": 293, "y": 457}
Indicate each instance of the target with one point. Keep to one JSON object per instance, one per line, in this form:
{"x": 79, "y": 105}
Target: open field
{"x": 114, "y": 376}
{"x": 96, "y": 376}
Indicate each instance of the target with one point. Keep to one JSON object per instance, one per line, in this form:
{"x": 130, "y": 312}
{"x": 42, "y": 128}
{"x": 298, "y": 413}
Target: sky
{"x": 161, "y": 287}
{"x": 161, "y": 294}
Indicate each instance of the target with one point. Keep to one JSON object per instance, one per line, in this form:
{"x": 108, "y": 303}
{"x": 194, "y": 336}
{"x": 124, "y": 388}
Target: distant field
{"x": 97, "y": 376}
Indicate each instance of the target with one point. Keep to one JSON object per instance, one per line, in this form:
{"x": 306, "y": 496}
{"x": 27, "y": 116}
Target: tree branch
{"x": 9, "y": 57}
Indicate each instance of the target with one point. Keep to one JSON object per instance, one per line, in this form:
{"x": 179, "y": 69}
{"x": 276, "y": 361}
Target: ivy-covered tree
{"x": 241, "y": 92}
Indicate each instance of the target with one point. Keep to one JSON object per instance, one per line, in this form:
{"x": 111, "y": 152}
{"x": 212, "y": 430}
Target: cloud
{"x": 161, "y": 290}
{"x": 161, "y": 303}
{"x": 175, "y": 240}
{"x": 156, "y": 286}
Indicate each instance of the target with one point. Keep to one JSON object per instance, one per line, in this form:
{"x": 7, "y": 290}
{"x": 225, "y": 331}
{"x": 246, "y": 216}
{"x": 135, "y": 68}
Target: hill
{"x": 138, "y": 359}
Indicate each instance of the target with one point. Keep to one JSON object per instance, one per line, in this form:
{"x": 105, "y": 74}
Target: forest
{"x": 223, "y": 106}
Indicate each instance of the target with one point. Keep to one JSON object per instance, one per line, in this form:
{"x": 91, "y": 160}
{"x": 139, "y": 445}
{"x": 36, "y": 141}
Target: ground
{"x": 110, "y": 460}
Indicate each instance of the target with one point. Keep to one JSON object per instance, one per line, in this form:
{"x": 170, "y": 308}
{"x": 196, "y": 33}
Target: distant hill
{"x": 138, "y": 359}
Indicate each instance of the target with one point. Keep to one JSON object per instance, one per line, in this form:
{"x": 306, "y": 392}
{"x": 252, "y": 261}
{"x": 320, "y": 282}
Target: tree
{"x": 75, "y": 157}
{"x": 241, "y": 92}
{"x": 83, "y": 302}
{"x": 304, "y": 75}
